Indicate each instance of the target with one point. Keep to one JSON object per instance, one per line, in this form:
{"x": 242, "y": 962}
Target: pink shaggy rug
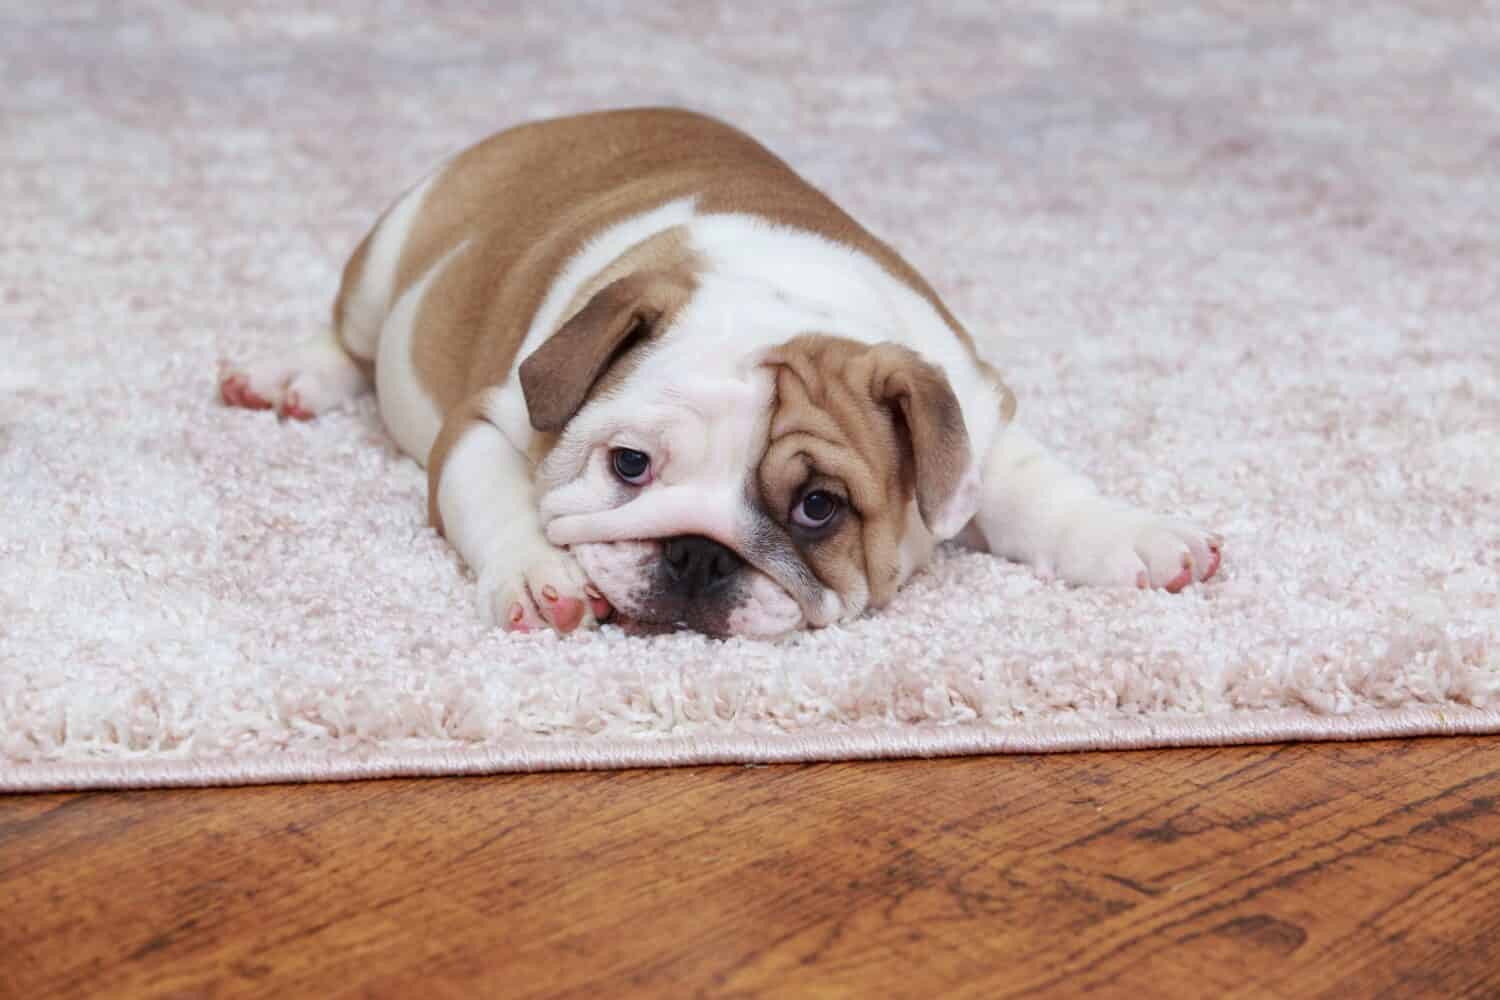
{"x": 1241, "y": 266}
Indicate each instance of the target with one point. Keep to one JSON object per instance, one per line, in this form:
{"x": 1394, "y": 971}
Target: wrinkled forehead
{"x": 708, "y": 421}
{"x": 703, "y": 423}
{"x": 707, "y": 432}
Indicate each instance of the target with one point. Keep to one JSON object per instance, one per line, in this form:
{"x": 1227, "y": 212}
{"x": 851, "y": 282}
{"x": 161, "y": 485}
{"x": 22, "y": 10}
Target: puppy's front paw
{"x": 1128, "y": 548}
{"x": 541, "y": 589}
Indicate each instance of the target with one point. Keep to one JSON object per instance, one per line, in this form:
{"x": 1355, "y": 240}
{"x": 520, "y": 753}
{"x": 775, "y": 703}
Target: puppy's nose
{"x": 696, "y": 565}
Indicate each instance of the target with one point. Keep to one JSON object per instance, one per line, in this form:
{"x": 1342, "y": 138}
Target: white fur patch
{"x": 408, "y": 411}
{"x": 369, "y": 301}
{"x": 766, "y": 612}
{"x": 717, "y": 513}
{"x": 621, "y": 570}
{"x": 485, "y": 500}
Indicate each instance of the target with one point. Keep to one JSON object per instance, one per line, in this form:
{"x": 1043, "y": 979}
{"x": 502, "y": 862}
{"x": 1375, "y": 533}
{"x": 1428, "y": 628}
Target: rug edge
{"x": 557, "y": 754}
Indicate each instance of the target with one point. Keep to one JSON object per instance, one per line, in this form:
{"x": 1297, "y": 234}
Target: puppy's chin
{"x": 627, "y": 574}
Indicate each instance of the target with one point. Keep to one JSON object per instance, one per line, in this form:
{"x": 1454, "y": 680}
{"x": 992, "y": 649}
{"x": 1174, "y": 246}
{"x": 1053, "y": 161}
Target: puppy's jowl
{"x": 653, "y": 373}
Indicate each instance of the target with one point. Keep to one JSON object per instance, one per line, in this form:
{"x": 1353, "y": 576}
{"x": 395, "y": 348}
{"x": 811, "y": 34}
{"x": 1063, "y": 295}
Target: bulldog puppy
{"x": 652, "y": 371}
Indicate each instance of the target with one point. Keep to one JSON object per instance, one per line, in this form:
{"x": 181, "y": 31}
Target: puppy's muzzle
{"x": 695, "y": 567}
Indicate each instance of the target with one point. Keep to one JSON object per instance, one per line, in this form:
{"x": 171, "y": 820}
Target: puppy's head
{"x": 734, "y": 490}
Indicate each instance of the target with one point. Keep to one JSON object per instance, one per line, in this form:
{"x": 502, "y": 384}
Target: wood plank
{"x": 1336, "y": 870}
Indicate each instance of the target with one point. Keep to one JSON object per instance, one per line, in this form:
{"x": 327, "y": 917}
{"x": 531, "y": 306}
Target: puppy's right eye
{"x": 633, "y": 467}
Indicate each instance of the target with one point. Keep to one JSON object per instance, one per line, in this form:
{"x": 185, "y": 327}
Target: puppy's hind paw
{"x": 300, "y": 385}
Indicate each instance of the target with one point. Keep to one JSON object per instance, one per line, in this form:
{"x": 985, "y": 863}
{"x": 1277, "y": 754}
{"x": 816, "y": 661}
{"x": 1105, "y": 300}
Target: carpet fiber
{"x": 1240, "y": 267}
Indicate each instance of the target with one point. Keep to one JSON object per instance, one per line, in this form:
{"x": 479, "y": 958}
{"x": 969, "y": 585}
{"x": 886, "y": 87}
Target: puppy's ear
{"x": 556, "y": 377}
{"x": 930, "y": 423}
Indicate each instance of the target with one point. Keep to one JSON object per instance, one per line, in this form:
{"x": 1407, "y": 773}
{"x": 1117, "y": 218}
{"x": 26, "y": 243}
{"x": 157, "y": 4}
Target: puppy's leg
{"x": 486, "y": 508}
{"x": 1037, "y": 511}
{"x": 314, "y": 377}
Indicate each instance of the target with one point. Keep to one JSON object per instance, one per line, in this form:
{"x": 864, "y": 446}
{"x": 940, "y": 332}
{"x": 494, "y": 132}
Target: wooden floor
{"x": 1337, "y": 870}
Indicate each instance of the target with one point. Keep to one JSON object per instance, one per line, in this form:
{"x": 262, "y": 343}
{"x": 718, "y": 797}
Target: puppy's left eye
{"x": 816, "y": 509}
{"x": 633, "y": 467}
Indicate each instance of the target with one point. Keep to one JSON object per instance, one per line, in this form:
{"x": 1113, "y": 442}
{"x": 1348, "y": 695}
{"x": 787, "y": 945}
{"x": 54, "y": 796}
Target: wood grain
{"x": 1335, "y": 870}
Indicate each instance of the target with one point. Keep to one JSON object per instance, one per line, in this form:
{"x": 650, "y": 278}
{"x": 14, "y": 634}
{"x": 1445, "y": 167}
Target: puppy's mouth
{"x": 631, "y": 577}
{"x": 620, "y": 571}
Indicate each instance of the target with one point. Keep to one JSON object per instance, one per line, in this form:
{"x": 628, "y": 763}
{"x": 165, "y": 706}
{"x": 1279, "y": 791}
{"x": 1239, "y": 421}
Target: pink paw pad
{"x": 1216, "y": 556}
{"x": 291, "y": 406}
{"x": 1182, "y": 579}
{"x": 516, "y": 620}
{"x": 235, "y": 391}
{"x": 565, "y": 613}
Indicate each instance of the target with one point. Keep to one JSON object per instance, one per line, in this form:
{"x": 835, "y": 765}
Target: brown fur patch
{"x": 878, "y": 426}
{"x": 559, "y": 375}
{"x": 440, "y": 354}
